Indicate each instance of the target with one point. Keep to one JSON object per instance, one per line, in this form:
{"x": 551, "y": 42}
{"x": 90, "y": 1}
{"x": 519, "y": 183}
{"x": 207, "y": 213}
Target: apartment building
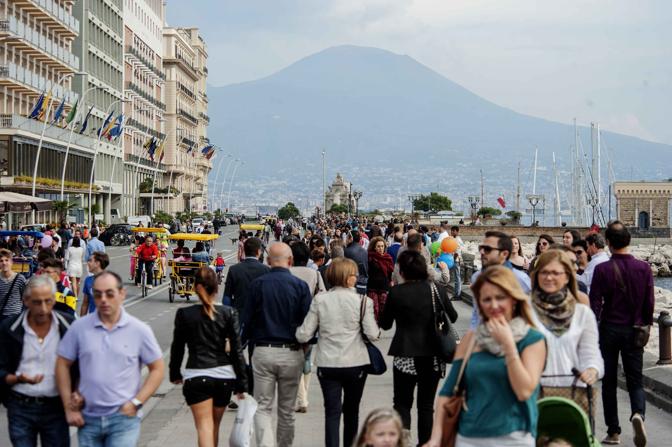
{"x": 184, "y": 59}
{"x": 144, "y": 82}
{"x": 36, "y": 58}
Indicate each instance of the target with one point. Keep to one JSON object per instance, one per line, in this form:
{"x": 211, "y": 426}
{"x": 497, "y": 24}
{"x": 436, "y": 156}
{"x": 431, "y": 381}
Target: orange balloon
{"x": 448, "y": 245}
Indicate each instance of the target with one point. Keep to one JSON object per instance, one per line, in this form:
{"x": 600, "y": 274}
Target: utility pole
{"x": 324, "y": 184}
{"x": 518, "y": 190}
{"x": 482, "y": 191}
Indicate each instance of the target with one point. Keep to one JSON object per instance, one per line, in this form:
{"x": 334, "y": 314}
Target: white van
{"x": 134, "y": 221}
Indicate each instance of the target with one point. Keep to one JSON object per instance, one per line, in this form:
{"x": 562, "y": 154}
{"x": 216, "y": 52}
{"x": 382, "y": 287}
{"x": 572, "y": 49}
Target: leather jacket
{"x": 207, "y": 341}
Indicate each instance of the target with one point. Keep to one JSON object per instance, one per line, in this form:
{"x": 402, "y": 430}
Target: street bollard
{"x": 664, "y": 339}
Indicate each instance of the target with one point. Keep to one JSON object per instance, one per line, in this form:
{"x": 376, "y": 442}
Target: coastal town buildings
{"x": 102, "y": 60}
{"x": 185, "y": 59}
{"x": 339, "y": 193}
{"x": 644, "y": 206}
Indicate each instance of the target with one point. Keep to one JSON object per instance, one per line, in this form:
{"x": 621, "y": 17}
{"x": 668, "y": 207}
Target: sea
{"x": 664, "y": 283}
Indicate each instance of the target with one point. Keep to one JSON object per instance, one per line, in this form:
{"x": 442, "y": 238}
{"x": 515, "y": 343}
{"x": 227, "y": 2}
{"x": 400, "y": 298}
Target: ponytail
{"x": 208, "y": 280}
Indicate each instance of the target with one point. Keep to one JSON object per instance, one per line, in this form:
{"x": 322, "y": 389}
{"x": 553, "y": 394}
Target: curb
{"x": 657, "y": 379}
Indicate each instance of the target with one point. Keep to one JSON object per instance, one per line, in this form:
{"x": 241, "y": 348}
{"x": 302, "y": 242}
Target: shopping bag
{"x": 243, "y": 426}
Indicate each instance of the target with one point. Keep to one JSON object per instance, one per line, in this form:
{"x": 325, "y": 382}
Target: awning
{"x": 15, "y": 202}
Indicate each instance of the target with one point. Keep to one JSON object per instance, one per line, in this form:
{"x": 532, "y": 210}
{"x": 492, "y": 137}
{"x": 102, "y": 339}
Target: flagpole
{"x": 221, "y": 190}
{"x": 219, "y": 171}
{"x": 95, "y": 155}
{"x": 137, "y": 166}
{"x": 67, "y": 148}
{"x": 114, "y": 165}
{"x": 44, "y": 128}
{"x": 233, "y": 175}
{"x": 158, "y": 160}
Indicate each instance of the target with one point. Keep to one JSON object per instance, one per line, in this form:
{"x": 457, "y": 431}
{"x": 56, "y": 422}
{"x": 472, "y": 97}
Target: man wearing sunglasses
{"x": 495, "y": 250}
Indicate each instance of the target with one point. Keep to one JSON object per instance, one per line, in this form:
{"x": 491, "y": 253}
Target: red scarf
{"x": 384, "y": 262}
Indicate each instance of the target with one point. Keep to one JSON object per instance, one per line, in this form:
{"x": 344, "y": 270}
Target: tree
{"x": 161, "y": 217}
{"x": 337, "y": 209}
{"x": 433, "y": 201}
{"x": 146, "y": 185}
{"x": 287, "y": 211}
{"x": 62, "y": 207}
{"x": 488, "y": 211}
{"x": 514, "y": 216}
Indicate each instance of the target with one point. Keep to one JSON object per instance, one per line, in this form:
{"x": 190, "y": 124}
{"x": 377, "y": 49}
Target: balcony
{"x": 51, "y": 13}
{"x": 13, "y": 74}
{"x": 130, "y": 51}
{"x": 204, "y": 117}
{"x": 144, "y": 161}
{"x": 187, "y": 66}
{"x": 188, "y": 116}
{"x": 187, "y": 142}
{"x": 34, "y": 40}
{"x": 146, "y": 96}
{"x": 148, "y": 130}
{"x": 184, "y": 89}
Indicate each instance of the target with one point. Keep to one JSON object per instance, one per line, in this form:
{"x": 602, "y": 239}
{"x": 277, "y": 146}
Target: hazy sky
{"x": 608, "y": 61}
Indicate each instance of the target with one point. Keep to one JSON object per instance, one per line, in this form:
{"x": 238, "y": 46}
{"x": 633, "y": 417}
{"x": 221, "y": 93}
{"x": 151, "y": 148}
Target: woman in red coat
{"x": 380, "y": 274}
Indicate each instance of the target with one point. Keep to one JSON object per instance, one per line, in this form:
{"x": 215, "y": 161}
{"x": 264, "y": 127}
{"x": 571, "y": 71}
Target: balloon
{"x": 46, "y": 241}
{"x": 435, "y": 247}
{"x": 448, "y": 245}
{"x": 448, "y": 259}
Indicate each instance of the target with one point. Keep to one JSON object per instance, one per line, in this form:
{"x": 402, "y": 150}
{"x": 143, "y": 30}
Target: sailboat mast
{"x": 579, "y": 181}
{"x": 534, "y": 173}
{"x": 518, "y": 190}
{"x": 598, "y": 188}
{"x": 482, "y": 190}
{"x": 558, "y": 217}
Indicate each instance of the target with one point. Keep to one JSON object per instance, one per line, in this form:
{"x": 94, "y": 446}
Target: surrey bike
{"x": 183, "y": 269}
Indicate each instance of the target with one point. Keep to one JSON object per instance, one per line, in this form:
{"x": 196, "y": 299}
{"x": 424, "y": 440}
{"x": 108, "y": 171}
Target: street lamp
{"x": 158, "y": 160}
{"x": 44, "y": 128}
{"x": 357, "y": 195}
{"x": 412, "y": 198}
{"x": 592, "y": 202}
{"x": 534, "y": 200}
{"x": 223, "y": 184}
{"x": 233, "y": 175}
{"x": 137, "y": 163}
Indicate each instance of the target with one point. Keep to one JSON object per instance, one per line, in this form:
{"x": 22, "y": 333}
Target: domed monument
{"x": 338, "y": 193}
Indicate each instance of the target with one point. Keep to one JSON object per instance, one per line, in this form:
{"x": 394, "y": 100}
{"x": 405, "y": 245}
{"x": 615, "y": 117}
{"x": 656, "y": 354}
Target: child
{"x": 382, "y": 428}
{"x": 219, "y": 264}
{"x": 134, "y": 258}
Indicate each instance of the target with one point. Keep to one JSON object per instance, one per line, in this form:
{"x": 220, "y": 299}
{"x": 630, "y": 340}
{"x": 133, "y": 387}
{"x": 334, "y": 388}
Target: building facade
{"x": 99, "y": 47}
{"x": 144, "y": 82}
{"x": 339, "y": 193}
{"x": 644, "y": 206}
{"x": 185, "y": 58}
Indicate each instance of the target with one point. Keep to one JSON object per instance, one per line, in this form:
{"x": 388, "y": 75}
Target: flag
{"x": 151, "y": 147}
{"x": 501, "y": 201}
{"x": 106, "y": 125}
{"x": 45, "y": 105}
{"x": 37, "y": 107}
{"x": 116, "y": 130}
{"x": 86, "y": 121}
{"x": 206, "y": 149}
{"x": 159, "y": 151}
{"x": 148, "y": 144}
{"x": 73, "y": 113}
{"x": 58, "y": 112}
{"x": 210, "y": 153}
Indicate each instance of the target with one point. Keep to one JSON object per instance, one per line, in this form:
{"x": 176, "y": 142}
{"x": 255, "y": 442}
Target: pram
{"x": 563, "y": 418}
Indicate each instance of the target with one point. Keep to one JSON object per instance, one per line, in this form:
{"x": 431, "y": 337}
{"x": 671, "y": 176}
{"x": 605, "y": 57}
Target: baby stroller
{"x": 563, "y": 418}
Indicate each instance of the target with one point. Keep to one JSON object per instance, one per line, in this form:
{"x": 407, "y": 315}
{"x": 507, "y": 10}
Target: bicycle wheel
{"x": 171, "y": 291}
{"x": 143, "y": 283}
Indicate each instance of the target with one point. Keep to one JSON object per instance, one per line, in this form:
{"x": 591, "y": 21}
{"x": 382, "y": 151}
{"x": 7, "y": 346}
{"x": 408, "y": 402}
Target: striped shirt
{"x": 14, "y": 302}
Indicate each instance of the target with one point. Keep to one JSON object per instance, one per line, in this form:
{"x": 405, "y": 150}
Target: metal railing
{"x": 187, "y": 115}
{"x": 39, "y": 83}
{"x": 131, "y": 50}
{"x": 42, "y": 42}
{"x": 136, "y": 89}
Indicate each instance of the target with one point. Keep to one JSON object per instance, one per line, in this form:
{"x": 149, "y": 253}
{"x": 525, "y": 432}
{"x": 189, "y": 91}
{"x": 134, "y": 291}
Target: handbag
{"x": 584, "y": 397}
{"x": 445, "y": 331}
{"x": 456, "y": 402}
{"x": 377, "y": 365}
{"x": 640, "y": 333}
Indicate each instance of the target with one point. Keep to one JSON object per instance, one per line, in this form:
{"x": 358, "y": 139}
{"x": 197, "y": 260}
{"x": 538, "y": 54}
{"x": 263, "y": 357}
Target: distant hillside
{"x": 367, "y": 103}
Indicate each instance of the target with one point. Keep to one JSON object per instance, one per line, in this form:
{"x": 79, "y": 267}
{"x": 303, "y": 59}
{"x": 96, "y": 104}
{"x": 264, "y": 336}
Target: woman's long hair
{"x": 504, "y": 279}
{"x": 554, "y": 254}
{"x": 207, "y": 278}
{"x": 548, "y": 238}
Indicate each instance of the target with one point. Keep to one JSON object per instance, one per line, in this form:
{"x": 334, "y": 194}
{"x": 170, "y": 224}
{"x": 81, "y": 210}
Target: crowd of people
{"x": 320, "y": 293}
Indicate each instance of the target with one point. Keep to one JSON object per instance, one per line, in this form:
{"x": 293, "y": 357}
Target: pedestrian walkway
{"x": 170, "y": 423}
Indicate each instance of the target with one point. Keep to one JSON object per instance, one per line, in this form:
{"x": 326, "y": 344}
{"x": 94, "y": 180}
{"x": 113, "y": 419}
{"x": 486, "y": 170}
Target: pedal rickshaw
{"x": 25, "y": 262}
{"x": 182, "y": 271}
{"x": 160, "y": 239}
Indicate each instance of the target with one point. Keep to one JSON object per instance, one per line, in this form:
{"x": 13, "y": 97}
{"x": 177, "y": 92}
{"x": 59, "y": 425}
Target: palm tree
{"x": 61, "y": 207}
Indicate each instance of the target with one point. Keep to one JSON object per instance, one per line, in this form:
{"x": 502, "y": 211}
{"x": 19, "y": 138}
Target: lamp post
{"x": 534, "y": 200}
{"x": 592, "y": 201}
{"x": 223, "y": 184}
{"x": 44, "y": 128}
{"x": 474, "y": 202}
{"x": 158, "y": 160}
{"x": 357, "y": 195}
{"x": 95, "y": 155}
{"x": 67, "y": 148}
{"x": 412, "y": 198}
{"x": 137, "y": 164}
{"x": 324, "y": 184}
{"x": 216, "y": 182}
{"x": 233, "y": 175}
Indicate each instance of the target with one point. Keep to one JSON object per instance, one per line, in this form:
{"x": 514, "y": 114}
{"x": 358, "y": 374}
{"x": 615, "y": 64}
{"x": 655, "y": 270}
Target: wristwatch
{"x": 137, "y": 403}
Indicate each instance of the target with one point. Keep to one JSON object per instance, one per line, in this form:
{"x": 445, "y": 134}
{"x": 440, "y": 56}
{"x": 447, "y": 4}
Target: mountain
{"x": 371, "y": 107}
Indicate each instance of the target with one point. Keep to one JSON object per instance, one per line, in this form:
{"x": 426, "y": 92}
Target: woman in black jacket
{"x": 415, "y": 346}
{"x": 215, "y": 367}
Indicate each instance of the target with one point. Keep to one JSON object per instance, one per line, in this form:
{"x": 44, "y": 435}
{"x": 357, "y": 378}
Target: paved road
{"x": 169, "y": 423}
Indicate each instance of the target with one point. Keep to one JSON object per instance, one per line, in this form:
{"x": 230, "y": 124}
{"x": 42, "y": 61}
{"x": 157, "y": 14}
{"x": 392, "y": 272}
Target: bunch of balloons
{"x": 444, "y": 251}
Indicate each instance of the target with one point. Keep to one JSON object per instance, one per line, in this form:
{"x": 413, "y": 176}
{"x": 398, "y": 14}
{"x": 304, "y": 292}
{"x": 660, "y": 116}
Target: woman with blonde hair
{"x": 570, "y": 328}
{"x": 505, "y": 356}
{"x": 382, "y": 428}
{"x": 341, "y": 315}
{"x": 215, "y": 367}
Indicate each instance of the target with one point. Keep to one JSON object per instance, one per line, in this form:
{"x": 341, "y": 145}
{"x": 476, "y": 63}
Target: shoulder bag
{"x": 640, "y": 333}
{"x": 445, "y": 331}
{"x": 456, "y": 402}
{"x": 377, "y": 365}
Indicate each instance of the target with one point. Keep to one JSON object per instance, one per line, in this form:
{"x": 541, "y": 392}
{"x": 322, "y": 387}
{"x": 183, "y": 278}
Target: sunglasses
{"x": 579, "y": 252}
{"x": 543, "y": 244}
{"x": 487, "y": 249}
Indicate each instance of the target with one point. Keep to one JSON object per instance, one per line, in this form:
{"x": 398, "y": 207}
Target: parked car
{"x": 116, "y": 235}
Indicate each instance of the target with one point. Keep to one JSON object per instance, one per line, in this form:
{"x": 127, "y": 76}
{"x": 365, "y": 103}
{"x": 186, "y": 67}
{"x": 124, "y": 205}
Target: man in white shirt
{"x": 28, "y": 352}
{"x": 598, "y": 255}
{"x": 444, "y": 231}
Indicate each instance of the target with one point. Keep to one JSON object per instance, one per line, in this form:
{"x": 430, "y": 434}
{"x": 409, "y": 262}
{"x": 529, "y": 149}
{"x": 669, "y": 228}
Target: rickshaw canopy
{"x": 252, "y": 227}
{"x": 193, "y": 237}
{"x": 149, "y": 230}
{"x": 35, "y": 234}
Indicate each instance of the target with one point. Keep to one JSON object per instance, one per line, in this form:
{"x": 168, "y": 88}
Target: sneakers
{"x": 233, "y": 405}
{"x": 639, "y": 430}
{"x": 302, "y": 410}
{"x": 613, "y": 439}
{"x": 149, "y": 286}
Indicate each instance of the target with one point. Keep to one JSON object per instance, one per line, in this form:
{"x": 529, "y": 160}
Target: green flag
{"x": 72, "y": 114}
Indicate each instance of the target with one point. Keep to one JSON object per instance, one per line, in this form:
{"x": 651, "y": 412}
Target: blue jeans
{"x": 115, "y": 430}
{"x": 457, "y": 278}
{"x": 27, "y": 420}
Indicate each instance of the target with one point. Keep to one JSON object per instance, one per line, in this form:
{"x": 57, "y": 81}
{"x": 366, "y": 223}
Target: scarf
{"x": 384, "y": 262}
{"x": 519, "y": 328}
{"x": 554, "y": 310}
